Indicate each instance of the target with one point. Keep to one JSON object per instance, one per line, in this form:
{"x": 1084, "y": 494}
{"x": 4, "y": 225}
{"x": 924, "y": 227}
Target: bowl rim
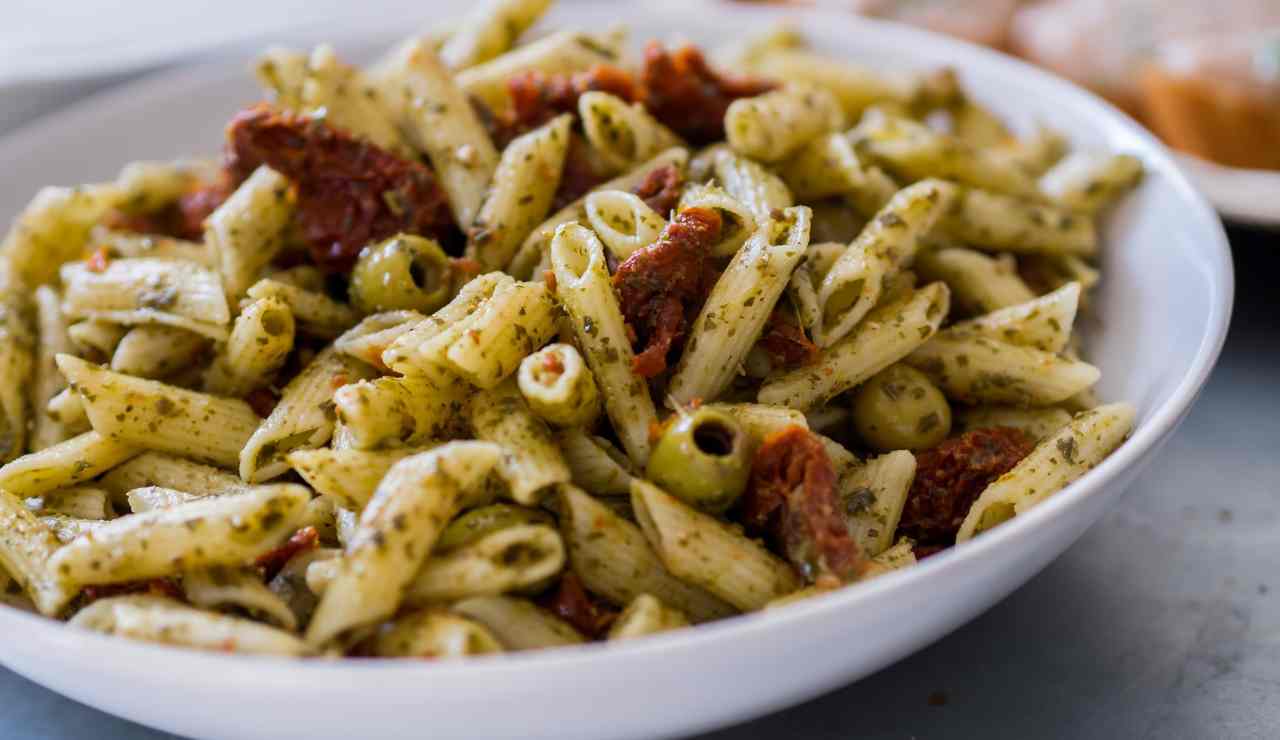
{"x": 1145, "y": 438}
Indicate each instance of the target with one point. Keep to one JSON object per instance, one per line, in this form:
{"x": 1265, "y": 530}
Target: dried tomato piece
{"x": 951, "y": 476}
{"x": 537, "y": 97}
{"x": 571, "y": 603}
{"x": 685, "y": 93}
{"x": 791, "y": 497}
{"x": 196, "y": 206}
{"x": 786, "y": 342}
{"x": 662, "y": 286}
{"x": 579, "y": 175}
{"x": 273, "y": 561}
{"x": 350, "y": 192}
{"x": 660, "y": 189}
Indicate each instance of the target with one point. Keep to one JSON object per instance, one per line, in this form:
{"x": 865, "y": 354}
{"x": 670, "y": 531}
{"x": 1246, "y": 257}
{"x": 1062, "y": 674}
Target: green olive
{"x": 702, "y": 458}
{"x": 901, "y": 409}
{"x": 403, "y": 272}
{"x": 485, "y": 520}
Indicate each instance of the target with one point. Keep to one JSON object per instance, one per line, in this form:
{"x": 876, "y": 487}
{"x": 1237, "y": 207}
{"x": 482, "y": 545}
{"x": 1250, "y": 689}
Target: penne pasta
{"x": 260, "y": 341}
{"x": 349, "y": 100}
{"x": 490, "y": 30}
{"x": 81, "y": 502}
{"x": 854, "y": 86}
{"x": 1088, "y": 183}
{"x": 226, "y": 530}
{"x": 748, "y": 182}
{"x": 974, "y": 369}
{"x": 980, "y": 284}
{"x": 26, "y": 547}
{"x": 168, "y": 471}
{"x": 156, "y": 351}
{"x": 700, "y": 549}
{"x": 594, "y": 463}
{"x": 888, "y": 334}
{"x": 873, "y": 496}
{"x": 531, "y": 462}
{"x": 52, "y": 339}
{"x": 517, "y": 623}
{"x": 737, "y": 223}
{"x": 645, "y": 615}
{"x": 393, "y": 411}
{"x": 585, "y": 291}
{"x": 239, "y": 588}
{"x": 1038, "y": 423}
{"x": 738, "y": 307}
{"x": 151, "y": 498}
{"x": 558, "y": 387}
{"x": 771, "y": 126}
{"x": 148, "y": 414}
{"x": 67, "y": 463}
{"x": 165, "y": 621}
{"x": 146, "y": 290}
{"x": 53, "y": 229}
{"x": 1057, "y": 461}
{"x": 558, "y": 53}
{"x": 396, "y": 532}
{"x": 247, "y": 231}
{"x": 514, "y": 558}
{"x": 622, "y": 134}
{"x": 433, "y": 634}
{"x": 314, "y": 313}
{"x": 623, "y": 221}
{"x": 1007, "y": 223}
{"x": 348, "y": 476}
{"x": 1043, "y": 323}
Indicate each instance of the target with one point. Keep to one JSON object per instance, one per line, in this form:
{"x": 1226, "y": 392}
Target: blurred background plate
{"x": 1245, "y": 196}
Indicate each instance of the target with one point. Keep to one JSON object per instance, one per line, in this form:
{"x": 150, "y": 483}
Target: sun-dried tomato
{"x": 537, "y": 97}
{"x": 350, "y": 192}
{"x": 273, "y": 561}
{"x": 685, "y": 93}
{"x": 662, "y": 286}
{"x": 579, "y": 175}
{"x": 262, "y": 401}
{"x": 196, "y": 206}
{"x": 571, "y": 603}
{"x": 791, "y": 498}
{"x": 786, "y": 342}
{"x": 660, "y": 189}
{"x": 951, "y": 476}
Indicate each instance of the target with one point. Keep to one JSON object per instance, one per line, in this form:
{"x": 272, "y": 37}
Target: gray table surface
{"x": 1163, "y": 621}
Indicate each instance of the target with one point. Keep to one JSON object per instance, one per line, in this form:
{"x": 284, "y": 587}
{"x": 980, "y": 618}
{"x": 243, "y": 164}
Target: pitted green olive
{"x": 901, "y": 409}
{"x": 702, "y": 458}
{"x": 403, "y": 272}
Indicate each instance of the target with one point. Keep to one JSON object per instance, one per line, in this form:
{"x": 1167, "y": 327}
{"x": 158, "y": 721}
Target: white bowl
{"x": 1164, "y": 306}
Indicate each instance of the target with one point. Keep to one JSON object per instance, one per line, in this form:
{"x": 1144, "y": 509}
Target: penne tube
{"x": 531, "y": 462}
{"x": 165, "y": 621}
{"x": 514, "y": 558}
{"x": 900, "y": 555}
{"x": 26, "y": 547}
{"x": 52, "y": 229}
{"x": 240, "y": 588}
{"x": 149, "y": 186}
{"x": 913, "y": 151}
{"x": 65, "y": 464}
{"x": 622, "y": 134}
{"x": 168, "y": 471}
{"x": 558, "y": 53}
{"x": 700, "y": 549}
{"x": 1038, "y": 423}
{"x": 350, "y": 101}
{"x": 854, "y": 284}
{"x": 873, "y": 496}
{"x": 979, "y": 370}
{"x": 538, "y": 244}
{"x": 302, "y": 418}
{"x": 1036, "y": 152}
{"x": 594, "y": 463}
{"x": 1088, "y": 183}
{"x": 367, "y": 340}
{"x": 314, "y": 313}
{"x": 67, "y": 528}
{"x": 1008, "y": 223}
{"x": 490, "y": 30}
{"x": 398, "y": 411}
{"x": 980, "y": 284}
{"x": 156, "y": 351}
{"x": 748, "y": 182}
{"x": 396, "y": 533}
{"x": 518, "y": 319}
{"x": 524, "y": 185}
{"x": 290, "y": 584}
{"x": 645, "y": 615}
{"x": 738, "y": 307}
{"x": 826, "y": 167}
{"x": 1043, "y": 323}
{"x": 762, "y": 420}
{"x": 420, "y": 351}
{"x": 261, "y": 340}
{"x": 81, "y": 502}
{"x": 773, "y": 125}
{"x": 424, "y": 99}
{"x": 737, "y": 223}
{"x": 247, "y": 231}
{"x": 856, "y": 87}
{"x": 152, "y": 498}
{"x": 518, "y": 623}
{"x": 52, "y": 339}
{"x": 152, "y": 415}
{"x": 888, "y": 334}
{"x": 433, "y": 634}
{"x": 1057, "y": 461}
{"x": 95, "y": 337}
{"x": 167, "y": 291}
{"x": 348, "y": 476}
{"x": 558, "y": 386}
{"x": 623, "y": 221}
{"x": 586, "y": 292}
{"x": 17, "y": 364}
{"x": 227, "y": 530}
{"x": 613, "y": 558}
{"x": 67, "y": 409}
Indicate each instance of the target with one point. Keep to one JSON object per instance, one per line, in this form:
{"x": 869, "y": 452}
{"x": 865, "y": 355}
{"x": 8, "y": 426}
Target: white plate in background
{"x": 1164, "y": 306}
{"x": 1243, "y": 196}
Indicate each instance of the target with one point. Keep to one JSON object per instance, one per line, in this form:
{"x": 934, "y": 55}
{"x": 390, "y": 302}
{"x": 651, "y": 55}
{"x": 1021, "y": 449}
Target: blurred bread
{"x": 1218, "y": 97}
